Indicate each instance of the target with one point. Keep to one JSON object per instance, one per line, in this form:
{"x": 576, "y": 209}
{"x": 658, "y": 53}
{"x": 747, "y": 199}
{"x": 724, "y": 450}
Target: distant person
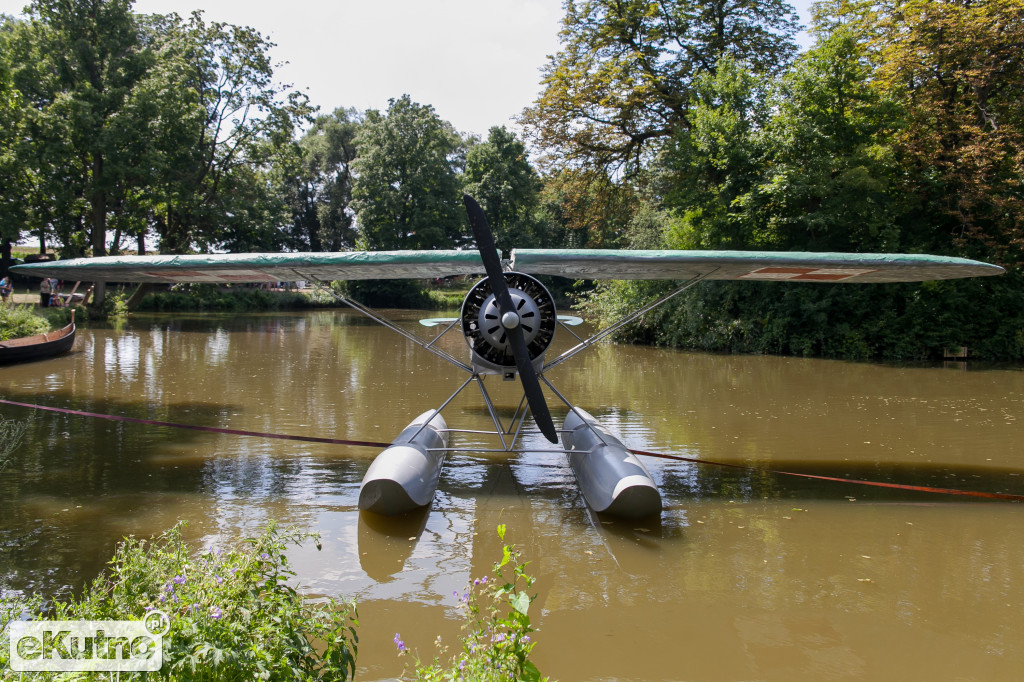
{"x": 5, "y": 287}
{"x": 55, "y": 296}
{"x": 45, "y": 292}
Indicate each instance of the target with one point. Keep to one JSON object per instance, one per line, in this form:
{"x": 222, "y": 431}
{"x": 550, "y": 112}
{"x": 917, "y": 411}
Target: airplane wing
{"x": 790, "y": 266}
{"x": 262, "y": 267}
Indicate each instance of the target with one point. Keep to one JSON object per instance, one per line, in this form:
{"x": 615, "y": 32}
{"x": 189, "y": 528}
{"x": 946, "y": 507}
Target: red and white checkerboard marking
{"x": 806, "y": 274}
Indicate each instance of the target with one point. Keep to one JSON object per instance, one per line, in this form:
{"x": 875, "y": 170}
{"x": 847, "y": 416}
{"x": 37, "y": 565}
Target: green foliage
{"x": 388, "y": 293}
{"x": 17, "y": 321}
{"x": 116, "y": 305}
{"x": 58, "y": 318}
{"x": 130, "y": 122}
{"x": 500, "y": 177}
{"x": 319, "y": 184}
{"x": 233, "y": 615}
{"x": 710, "y": 170}
{"x": 496, "y": 645}
{"x": 623, "y": 81}
{"x": 407, "y": 190}
{"x": 820, "y": 160}
{"x": 212, "y": 297}
{"x": 892, "y": 321}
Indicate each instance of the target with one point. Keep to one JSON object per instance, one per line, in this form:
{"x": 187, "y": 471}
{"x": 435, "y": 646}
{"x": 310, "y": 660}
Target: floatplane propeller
{"x": 509, "y": 320}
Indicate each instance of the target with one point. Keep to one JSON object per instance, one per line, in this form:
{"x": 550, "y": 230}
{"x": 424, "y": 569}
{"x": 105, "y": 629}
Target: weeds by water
{"x": 496, "y": 643}
{"x": 233, "y": 615}
{"x": 17, "y": 321}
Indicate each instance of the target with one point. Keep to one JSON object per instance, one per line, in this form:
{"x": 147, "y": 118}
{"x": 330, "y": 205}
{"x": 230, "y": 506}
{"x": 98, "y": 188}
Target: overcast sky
{"x": 476, "y": 61}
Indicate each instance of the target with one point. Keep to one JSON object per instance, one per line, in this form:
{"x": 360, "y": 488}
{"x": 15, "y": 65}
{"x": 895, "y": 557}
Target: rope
{"x": 193, "y": 427}
{"x": 834, "y": 479}
{"x": 644, "y": 453}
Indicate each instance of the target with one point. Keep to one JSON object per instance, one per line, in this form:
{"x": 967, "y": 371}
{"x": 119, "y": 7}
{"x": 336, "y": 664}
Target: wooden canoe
{"x": 39, "y": 345}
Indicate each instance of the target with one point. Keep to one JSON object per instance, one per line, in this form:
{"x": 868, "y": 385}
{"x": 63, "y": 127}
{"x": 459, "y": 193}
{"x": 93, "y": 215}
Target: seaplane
{"x": 508, "y": 320}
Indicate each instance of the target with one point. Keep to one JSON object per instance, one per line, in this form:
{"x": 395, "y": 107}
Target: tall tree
{"x": 319, "y": 183}
{"x": 624, "y": 77}
{"x": 584, "y": 208}
{"x": 14, "y": 173}
{"x": 90, "y": 55}
{"x": 957, "y": 67}
{"x": 406, "y": 192}
{"x": 499, "y": 175}
{"x": 220, "y": 112}
{"x": 708, "y": 171}
{"x": 830, "y": 167}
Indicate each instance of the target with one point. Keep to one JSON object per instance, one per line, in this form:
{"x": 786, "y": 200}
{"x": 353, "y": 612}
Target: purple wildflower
{"x": 265, "y": 556}
{"x": 179, "y": 580}
{"x": 399, "y": 643}
{"x": 215, "y": 612}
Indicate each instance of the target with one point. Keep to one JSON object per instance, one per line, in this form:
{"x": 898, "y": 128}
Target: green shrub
{"x": 212, "y": 297}
{"x": 496, "y": 644}
{"x": 233, "y": 615}
{"x": 858, "y": 322}
{"x": 388, "y": 293}
{"x": 17, "y": 321}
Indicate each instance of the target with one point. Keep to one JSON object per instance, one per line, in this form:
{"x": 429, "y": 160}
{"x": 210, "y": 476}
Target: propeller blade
{"x": 510, "y": 319}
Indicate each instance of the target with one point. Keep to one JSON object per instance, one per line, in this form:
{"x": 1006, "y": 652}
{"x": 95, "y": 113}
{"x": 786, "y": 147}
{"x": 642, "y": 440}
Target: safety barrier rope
{"x": 835, "y": 479}
{"x": 644, "y": 453}
{"x": 193, "y": 427}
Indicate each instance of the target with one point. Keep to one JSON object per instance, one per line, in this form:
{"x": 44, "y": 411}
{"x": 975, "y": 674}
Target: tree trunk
{"x": 5, "y": 256}
{"x": 99, "y": 294}
{"x": 99, "y": 213}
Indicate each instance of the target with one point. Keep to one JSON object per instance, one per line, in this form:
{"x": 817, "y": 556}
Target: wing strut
{"x": 626, "y": 320}
{"x": 380, "y": 319}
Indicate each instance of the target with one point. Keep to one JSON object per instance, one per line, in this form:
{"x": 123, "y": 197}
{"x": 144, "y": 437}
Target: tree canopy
{"x": 407, "y": 190}
{"x": 624, "y": 78}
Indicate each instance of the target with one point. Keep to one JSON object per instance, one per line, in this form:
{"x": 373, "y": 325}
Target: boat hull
{"x": 38, "y": 346}
{"x": 404, "y": 476}
{"x": 612, "y": 480}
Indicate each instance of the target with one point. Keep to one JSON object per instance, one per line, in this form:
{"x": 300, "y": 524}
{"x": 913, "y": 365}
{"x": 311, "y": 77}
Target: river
{"x": 748, "y": 574}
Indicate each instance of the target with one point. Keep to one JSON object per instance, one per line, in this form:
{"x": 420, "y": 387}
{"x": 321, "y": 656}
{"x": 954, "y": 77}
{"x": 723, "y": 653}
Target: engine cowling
{"x": 487, "y": 335}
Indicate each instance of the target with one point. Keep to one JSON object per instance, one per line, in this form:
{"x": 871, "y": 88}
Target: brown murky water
{"x": 748, "y": 575}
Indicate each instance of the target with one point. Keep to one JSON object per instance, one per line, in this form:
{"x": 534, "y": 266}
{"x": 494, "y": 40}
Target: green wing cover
{"x": 575, "y": 263}
{"x": 790, "y": 266}
{"x": 261, "y": 267}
